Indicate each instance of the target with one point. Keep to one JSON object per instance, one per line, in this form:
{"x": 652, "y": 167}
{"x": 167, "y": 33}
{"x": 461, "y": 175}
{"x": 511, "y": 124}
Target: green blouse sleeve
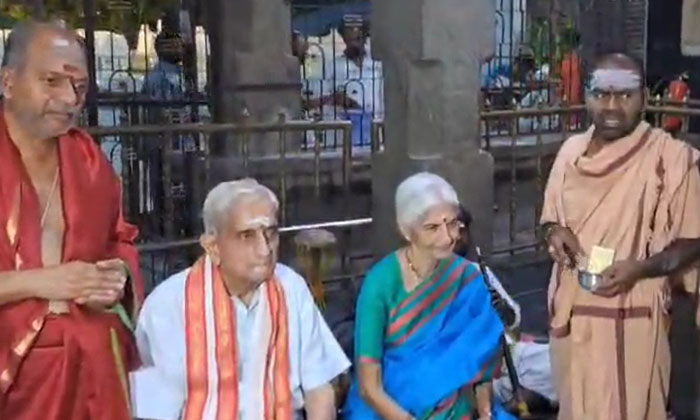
{"x": 371, "y": 317}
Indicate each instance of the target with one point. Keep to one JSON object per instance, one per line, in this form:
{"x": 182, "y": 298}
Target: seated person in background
{"x": 533, "y": 367}
{"x": 237, "y": 335}
{"x": 426, "y": 336}
{"x": 530, "y": 357}
{"x": 509, "y": 310}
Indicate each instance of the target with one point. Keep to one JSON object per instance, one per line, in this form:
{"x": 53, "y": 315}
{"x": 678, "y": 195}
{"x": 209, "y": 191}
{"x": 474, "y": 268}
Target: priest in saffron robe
{"x": 66, "y": 294}
{"x": 631, "y": 190}
{"x": 237, "y": 335}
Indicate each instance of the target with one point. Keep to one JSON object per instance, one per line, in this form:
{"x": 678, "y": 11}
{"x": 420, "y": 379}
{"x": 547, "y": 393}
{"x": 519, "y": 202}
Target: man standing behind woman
{"x": 426, "y": 336}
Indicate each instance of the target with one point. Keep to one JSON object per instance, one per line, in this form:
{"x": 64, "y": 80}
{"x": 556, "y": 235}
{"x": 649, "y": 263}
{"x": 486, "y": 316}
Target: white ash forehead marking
{"x": 615, "y": 79}
{"x": 259, "y": 222}
{"x": 60, "y": 42}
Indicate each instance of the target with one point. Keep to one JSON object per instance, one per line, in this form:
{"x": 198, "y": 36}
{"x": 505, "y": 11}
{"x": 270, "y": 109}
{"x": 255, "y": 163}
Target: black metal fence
{"x": 532, "y": 94}
{"x": 162, "y": 259}
{"x": 522, "y": 167}
{"x": 535, "y": 64}
{"x": 167, "y": 169}
{"x": 527, "y": 70}
{"x": 523, "y": 162}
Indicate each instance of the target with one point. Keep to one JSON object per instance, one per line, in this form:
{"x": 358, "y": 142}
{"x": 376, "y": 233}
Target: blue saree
{"x": 436, "y": 341}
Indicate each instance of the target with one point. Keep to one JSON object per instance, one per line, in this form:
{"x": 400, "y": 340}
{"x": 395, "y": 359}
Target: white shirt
{"x": 533, "y": 366}
{"x": 364, "y": 84}
{"x": 159, "y": 388}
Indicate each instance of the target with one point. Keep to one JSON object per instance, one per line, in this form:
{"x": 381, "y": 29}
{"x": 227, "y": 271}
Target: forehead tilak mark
{"x": 60, "y": 42}
{"x": 259, "y": 222}
{"x": 619, "y": 79}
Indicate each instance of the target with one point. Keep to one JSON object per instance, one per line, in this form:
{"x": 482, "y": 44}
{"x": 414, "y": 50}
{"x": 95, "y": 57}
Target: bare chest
{"x": 47, "y": 184}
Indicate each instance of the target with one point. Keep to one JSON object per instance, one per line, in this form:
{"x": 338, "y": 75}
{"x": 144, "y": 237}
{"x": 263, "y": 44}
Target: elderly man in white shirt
{"x": 237, "y": 336}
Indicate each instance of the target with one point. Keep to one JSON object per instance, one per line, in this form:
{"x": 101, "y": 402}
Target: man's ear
{"x": 208, "y": 243}
{"x": 6, "y": 82}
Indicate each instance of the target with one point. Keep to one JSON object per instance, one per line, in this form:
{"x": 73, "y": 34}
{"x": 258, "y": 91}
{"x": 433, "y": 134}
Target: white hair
{"x": 419, "y": 193}
{"x": 225, "y": 196}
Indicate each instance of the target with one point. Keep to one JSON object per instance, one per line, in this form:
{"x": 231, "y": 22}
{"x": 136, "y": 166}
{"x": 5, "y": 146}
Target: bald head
{"x": 26, "y": 35}
{"x": 44, "y": 79}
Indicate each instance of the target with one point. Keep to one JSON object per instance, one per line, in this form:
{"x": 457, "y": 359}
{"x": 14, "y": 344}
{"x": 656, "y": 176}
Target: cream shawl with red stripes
{"x": 212, "y": 354}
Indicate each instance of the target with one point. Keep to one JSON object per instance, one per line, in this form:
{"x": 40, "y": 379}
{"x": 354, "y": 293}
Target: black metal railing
{"x": 166, "y": 170}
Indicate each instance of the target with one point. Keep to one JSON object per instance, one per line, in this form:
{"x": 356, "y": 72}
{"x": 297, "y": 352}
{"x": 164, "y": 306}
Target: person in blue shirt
{"x": 165, "y": 80}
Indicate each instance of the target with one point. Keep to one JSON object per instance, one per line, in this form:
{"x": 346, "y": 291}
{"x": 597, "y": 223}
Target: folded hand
{"x": 114, "y": 270}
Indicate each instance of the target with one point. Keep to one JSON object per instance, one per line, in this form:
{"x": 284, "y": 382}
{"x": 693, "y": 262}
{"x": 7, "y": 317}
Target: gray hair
{"x": 225, "y": 196}
{"x": 419, "y": 193}
{"x": 23, "y": 34}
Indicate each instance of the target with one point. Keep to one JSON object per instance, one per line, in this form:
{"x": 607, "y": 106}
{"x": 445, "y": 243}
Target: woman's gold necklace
{"x": 413, "y": 267}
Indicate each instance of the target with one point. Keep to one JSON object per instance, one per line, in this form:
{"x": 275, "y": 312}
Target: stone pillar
{"x": 252, "y": 68}
{"x": 431, "y": 52}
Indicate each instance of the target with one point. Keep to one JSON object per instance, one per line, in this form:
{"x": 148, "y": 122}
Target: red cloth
{"x": 69, "y": 371}
{"x": 570, "y": 70}
{"x": 571, "y": 86}
{"x": 678, "y": 91}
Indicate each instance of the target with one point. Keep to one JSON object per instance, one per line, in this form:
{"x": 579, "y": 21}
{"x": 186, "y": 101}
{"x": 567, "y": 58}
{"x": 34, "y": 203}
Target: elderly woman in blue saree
{"x": 426, "y": 336}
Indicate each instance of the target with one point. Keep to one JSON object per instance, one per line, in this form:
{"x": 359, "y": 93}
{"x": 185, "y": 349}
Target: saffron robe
{"x": 610, "y": 356}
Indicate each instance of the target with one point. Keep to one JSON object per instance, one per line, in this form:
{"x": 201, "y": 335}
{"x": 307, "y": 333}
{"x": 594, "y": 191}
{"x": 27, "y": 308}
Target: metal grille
{"x": 636, "y": 28}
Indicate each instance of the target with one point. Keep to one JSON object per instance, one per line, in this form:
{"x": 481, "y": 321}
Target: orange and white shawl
{"x": 212, "y": 354}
